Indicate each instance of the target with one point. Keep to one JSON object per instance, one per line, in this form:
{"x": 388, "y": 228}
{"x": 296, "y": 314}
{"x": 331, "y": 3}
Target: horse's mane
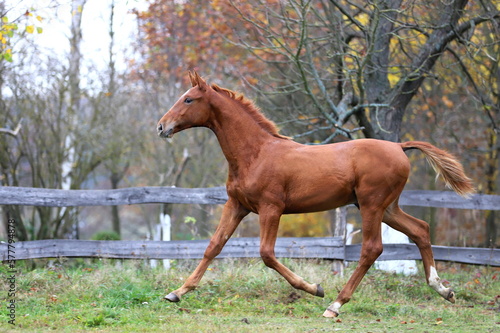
{"x": 268, "y": 125}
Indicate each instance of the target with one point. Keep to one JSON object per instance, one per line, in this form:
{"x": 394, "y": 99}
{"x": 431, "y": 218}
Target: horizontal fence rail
{"x": 30, "y": 196}
{"x": 245, "y": 247}
{"x": 322, "y": 248}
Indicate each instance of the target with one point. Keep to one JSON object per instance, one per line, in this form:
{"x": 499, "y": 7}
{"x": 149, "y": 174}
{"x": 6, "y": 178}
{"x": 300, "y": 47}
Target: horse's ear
{"x": 199, "y": 81}
{"x": 192, "y": 78}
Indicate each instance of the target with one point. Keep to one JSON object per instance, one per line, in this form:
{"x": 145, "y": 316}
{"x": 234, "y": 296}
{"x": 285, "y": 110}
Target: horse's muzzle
{"x": 164, "y": 132}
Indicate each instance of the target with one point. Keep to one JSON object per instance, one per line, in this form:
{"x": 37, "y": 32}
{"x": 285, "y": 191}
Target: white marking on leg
{"x": 332, "y": 311}
{"x": 336, "y": 307}
{"x": 435, "y": 283}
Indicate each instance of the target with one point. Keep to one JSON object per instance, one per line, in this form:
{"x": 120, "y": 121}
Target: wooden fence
{"x": 289, "y": 247}
{"x": 30, "y": 196}
{"x": 325, "y": 248}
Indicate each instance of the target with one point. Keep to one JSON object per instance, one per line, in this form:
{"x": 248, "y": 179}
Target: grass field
{"x": 241, "y": 296}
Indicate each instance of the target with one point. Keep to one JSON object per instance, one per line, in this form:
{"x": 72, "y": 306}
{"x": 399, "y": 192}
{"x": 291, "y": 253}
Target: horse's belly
{"x": 318, "y": 197}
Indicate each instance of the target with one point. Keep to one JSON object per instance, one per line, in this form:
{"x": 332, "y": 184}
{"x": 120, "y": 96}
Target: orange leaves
{"x": 179, "y": 35}
{"x": 447, "y": 102}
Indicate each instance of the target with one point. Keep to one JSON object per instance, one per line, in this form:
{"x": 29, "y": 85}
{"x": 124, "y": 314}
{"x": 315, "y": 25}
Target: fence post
{"x": 340, "y": 231}
{"x": 166, "y": 235}
{"x": 406, "y": 267}
{"x": 163, "y": 233}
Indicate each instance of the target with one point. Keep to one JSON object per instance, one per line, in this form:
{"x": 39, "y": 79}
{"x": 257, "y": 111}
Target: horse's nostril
{"x": 160, "y": 128}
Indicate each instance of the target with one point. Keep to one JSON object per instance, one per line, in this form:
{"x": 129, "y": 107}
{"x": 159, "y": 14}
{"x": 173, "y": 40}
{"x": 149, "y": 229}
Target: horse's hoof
{"x": 330, "y": 313}
{"x": 319, "y": 291}
{"x": 172, "y": 298}
{"x": 451, "y": 297}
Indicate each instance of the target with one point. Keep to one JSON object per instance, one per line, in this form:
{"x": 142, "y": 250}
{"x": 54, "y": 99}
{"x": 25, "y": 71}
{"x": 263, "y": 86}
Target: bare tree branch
{"x": 12, "y": 132}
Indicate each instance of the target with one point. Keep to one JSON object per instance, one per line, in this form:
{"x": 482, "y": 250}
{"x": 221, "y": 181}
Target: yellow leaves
{"x": 31, "y": 29}
{"x": 8, "y": 28}
{"x": 6, "y": 32}
{"x": 78, "y": 10}
{"x": 33, "y": 20}
{"x": 393, "y": 75}
{"x": 363, "y": 18}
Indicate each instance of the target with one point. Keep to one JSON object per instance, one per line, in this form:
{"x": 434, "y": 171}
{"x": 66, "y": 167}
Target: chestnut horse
{"x": 271, "y": 175}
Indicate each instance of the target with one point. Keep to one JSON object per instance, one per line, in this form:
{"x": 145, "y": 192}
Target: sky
{"x": 56, "y": 22}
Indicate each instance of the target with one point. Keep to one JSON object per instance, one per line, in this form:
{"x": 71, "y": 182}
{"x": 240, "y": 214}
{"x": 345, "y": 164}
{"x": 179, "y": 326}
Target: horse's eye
{"x": 188, "y": 100}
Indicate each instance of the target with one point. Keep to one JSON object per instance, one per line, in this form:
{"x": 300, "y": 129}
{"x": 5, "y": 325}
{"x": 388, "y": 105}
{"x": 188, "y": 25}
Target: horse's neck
{"x": 240, "y": 136}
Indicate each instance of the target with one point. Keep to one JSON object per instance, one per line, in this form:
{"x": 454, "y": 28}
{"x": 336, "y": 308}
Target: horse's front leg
{"x": 269, "y": 218}
{"x": 232, "y": 215}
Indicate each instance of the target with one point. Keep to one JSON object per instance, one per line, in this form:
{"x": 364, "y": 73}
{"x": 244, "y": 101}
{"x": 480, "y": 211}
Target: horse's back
{"x": 327, "y": 176}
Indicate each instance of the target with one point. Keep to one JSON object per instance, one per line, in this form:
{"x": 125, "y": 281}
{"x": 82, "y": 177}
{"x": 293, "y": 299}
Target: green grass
{"x": 243, "y": 296}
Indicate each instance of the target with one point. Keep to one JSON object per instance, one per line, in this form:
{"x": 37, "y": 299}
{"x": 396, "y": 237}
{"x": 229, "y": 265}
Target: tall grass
{"x": 243, "y": 296}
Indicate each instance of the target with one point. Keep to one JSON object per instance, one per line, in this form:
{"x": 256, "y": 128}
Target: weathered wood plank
{"x": 30, "y": 196}
{"x": 466, "y": 255}
{"x": 290, "y": 247}
{"x": 448, "y": 199}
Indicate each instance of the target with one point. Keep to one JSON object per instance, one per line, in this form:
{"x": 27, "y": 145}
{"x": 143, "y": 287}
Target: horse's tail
{"x": 445, "y": 165}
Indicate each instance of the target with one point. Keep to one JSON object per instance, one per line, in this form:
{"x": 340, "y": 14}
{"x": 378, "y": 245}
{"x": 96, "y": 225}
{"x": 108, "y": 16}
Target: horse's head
{"x": 191, "y": 109}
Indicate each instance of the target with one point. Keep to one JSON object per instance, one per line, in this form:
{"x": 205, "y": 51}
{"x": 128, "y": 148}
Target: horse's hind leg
{"x": 418, "y": 231}
{"x": 370, "y": 250}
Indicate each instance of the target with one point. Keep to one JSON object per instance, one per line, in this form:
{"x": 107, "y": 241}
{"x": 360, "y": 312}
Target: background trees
{"x": 325, "y": 71}
{"x": 355, "y": 63}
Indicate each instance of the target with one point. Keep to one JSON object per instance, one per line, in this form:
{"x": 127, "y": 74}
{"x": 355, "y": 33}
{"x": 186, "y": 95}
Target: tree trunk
{"x": 385, "y": 122}
{"x": 377, "y": 84}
